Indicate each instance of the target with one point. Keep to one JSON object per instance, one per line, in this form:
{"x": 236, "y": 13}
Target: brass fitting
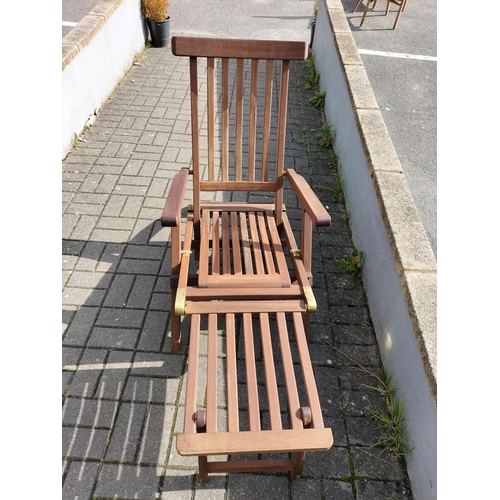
{"x": 311, "y": 305}
{"x": 180, "y": 302}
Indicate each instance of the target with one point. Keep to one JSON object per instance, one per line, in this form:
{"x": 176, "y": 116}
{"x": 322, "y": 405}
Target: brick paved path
{"x": 122, "y": 388}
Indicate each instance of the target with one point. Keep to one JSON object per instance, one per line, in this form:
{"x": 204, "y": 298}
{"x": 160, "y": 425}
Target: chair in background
{"x": 401, "y": 4}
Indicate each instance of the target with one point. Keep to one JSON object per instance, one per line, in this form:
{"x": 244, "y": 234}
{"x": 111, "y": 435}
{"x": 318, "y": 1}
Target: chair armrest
{"x": 171, "y": 215}
{"x": 310, "y": 202}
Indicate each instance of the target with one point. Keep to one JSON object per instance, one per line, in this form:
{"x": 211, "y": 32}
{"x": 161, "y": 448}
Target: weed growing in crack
{"x": 326, "y": 136}
{"x": 318, "y": 100}
{"x": 391, "y": 417}
{"x": 353, "y": 263}
{"x": 312, "y": 79}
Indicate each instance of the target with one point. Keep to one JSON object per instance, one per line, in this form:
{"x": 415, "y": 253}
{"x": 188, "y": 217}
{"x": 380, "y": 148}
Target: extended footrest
{"x": 258, "y": 401}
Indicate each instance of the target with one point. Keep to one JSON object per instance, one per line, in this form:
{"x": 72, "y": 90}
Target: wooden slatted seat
{"x": 247, "y": 261}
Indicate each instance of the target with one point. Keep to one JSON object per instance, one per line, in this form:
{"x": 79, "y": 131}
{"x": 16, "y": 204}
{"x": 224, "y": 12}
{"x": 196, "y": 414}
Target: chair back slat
{"x": 193, "y": 76}
{"x": 239, "y": 119}
{"x": 225, "y": 119}
{"x": 211, "y": 117}
{"x": 252, "y": 119}
{"x": 268, "y": 95}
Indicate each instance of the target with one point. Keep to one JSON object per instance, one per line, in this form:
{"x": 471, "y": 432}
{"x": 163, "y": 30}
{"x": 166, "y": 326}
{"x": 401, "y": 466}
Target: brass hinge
{"x": 180, "y": 302}
{"x": 311, "y": 305}
{"x": 295, "y": 252}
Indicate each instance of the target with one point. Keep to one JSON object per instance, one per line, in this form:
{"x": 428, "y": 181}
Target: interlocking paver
{"x": 122, "y": 388}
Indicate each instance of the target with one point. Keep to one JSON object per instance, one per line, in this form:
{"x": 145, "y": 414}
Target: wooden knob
{"x": 305, "y": 415}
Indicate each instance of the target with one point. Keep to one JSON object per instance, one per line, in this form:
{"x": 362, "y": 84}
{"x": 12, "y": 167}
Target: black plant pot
{"x": 313, "y": 27}
{"x": 160, "y": 32}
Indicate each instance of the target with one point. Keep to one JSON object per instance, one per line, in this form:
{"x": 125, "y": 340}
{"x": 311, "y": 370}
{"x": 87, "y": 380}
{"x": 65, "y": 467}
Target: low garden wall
{"x": 96, "y": 55}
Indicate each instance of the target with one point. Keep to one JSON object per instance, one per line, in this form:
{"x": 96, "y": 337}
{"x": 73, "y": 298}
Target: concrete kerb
{"x": 82, "y": 34}
{"x": 412, "y": 256}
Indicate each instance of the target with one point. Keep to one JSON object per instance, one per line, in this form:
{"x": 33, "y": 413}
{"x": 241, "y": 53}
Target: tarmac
{"x": 122, "y": 387}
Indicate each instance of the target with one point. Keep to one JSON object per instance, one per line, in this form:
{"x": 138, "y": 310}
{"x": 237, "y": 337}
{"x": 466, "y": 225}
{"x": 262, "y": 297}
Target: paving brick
{"x": 82, "y": 443}
{"x": 158, "y": 365}
{"x": 337, "y": 489}
{"x": 151, "y": 390}
{"x": 363, "y": 431}
{"x": 156, "y": 435}
{"x": 69, "y": 222}
{"x": 352, "y": 334}
{"x": 153, "y": 331}
{"x": 114, "y": 206}
{"x": 133, "y": 167}
{"x": 84, "y": 227}
{"x": 214, "y": 490}
{"x": 377, "y": 490}
{"x": 82, "y": 296}
{"x": 244, "y": 486}
{"x": 124, "y": 318}
{"x": 107, "y": 184}
{"x": 141, "y": 292}
{"x": 114, "y": 338}
{"x": 86, "y": 412}
{"x": 116, "y": 223}
{"x": 79, "y": 481}
{"x": 333, "y": 463}
{"x": 89, "y": 279}
{"x": 87, "y": 374}
{"x": 80, "y": 326}
{"x": 90, "y": 256}
{"x": 138, "y": 266}
{"x": 178, "y": 484}
{"x": 371, "y": 463}
{"x": 132, "y": 206}
{"x": 114, "y": 376}
{"x": 110, "y": 235}
{"x": 110, "y": 257}
{"x": 128, "y": 481}
{"x": 362, "y": 403}
{"x": 126, "y": 435}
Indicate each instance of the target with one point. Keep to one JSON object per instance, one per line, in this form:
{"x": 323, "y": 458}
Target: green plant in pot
{"x": 158, "y": 21}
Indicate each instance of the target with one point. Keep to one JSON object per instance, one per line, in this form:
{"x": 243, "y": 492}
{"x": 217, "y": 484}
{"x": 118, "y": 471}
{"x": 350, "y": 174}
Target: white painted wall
{"x": 91, "y": 76}
{"x": 389, "y": 311}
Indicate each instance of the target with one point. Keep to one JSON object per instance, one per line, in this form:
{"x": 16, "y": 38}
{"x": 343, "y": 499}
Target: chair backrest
{"x": 245, "y": 129}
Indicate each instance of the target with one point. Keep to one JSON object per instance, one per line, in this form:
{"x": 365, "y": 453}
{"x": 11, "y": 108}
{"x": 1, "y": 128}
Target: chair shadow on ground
{"x": 121, "y": 384}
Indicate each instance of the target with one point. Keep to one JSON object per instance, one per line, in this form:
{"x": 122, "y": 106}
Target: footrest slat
{"x": 264, "y": 441}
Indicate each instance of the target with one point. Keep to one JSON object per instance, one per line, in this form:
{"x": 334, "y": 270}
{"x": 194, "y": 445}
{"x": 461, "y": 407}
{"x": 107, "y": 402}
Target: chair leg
{"x": 306, "y": 317}
{"x": 368, "y": 2}
{"x": 175, "y": 324}
{"x": 401, "y": 8}
{"x": 298, "y": 462}
{"x": 356, "y": 6}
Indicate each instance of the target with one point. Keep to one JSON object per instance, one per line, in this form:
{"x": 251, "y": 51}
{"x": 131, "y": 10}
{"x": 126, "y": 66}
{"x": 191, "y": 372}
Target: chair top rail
{"x": 239, "y": 48}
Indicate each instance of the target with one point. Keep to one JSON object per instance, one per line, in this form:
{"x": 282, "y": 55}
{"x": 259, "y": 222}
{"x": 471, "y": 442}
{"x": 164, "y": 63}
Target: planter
{"x": 313, "y": 27}
{"x": 159, "y": 31}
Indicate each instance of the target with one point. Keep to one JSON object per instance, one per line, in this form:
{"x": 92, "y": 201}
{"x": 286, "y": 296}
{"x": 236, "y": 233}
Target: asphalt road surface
{"x": 74, "y": 11}
{"x": 402, "y": 68}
